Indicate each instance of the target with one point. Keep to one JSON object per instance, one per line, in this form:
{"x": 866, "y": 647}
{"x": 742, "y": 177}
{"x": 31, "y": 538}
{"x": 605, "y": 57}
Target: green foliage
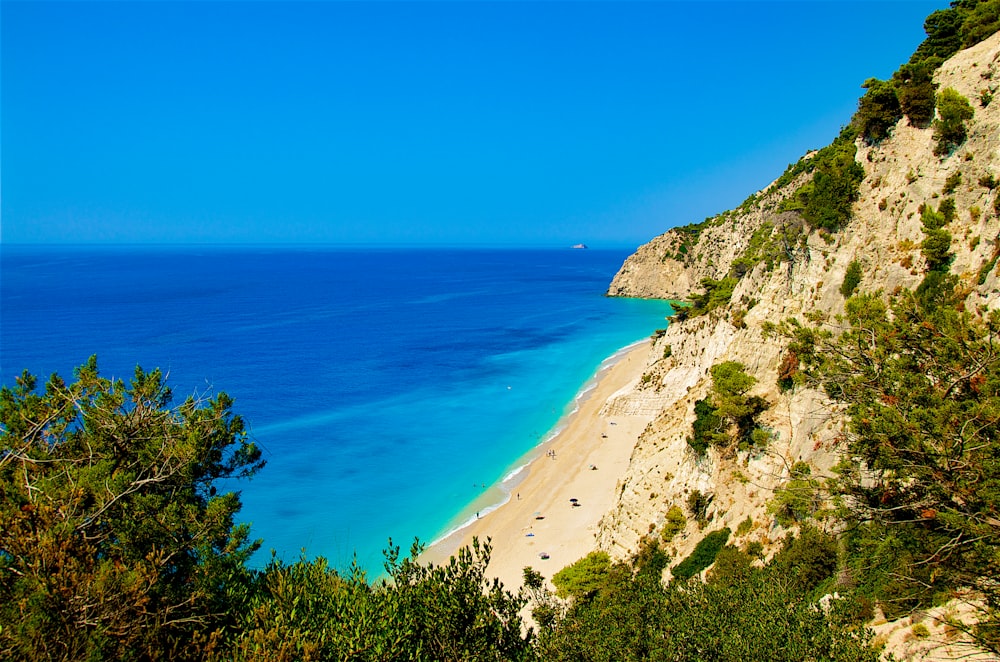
{"x": 921, "y": 385}
{"x": 674, "y": 524}
{"x": 727, "y": 407}
{"x": 707, "y": 429}
{"x": 947, "y": 210}
{"x": 717, "y": 294}
{"x": 936, "y": 249}
{"x": 730, "y": 384}
{"x": 980, "y": 23}
{"x": 943, "y": 37}
{"x": 770, "y": 243}
{"x": 697, "y": 504}
{"x": 852, "y": 278}
{"x": 742, "y": 614}
{"x": 809, "y": 561}
{"x": 952, "y": 182}
{"x": 878, "y": 110}
{"x": 799, "y": 499}
{"x": 584, "y": 577}
{"x": 917, "y": 90}
{"x": 936, "y": 246}
{"x": 825, "y": 202}
{"x": 688, "y": 236}
{"x": 115, "y": 542}
{"x": 949, "y": 128}
{"x": 307, "y": 611}
{"x": 703, "y": 555}
{"x": 731, "y": 566}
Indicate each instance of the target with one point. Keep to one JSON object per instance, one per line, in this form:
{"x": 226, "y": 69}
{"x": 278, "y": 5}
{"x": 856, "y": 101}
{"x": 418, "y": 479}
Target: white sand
{"x": 559, "y": 529}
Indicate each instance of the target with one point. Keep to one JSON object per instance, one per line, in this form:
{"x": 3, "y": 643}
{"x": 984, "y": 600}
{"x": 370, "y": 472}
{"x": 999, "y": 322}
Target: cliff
{"x": 786, "y": 268}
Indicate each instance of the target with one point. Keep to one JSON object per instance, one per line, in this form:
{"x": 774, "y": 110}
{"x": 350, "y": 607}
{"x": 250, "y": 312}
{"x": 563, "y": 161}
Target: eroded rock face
{"x": 901, "y": 174}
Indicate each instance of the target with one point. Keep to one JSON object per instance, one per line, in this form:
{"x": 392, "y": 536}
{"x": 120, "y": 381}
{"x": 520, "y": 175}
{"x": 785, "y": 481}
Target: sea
{"x": 395, "y": 392}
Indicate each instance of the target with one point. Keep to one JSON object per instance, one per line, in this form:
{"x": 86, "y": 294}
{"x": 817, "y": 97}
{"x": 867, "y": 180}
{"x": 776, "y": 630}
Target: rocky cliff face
{"x": 801, "y": 277}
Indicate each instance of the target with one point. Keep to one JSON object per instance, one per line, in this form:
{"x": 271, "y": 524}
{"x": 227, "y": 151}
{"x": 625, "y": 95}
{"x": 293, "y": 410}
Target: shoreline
{"x": 534, "y": 522}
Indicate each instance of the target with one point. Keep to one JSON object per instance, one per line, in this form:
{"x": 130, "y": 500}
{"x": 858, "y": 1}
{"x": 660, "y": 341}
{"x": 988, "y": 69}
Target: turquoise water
{"x": 389, "y": 389}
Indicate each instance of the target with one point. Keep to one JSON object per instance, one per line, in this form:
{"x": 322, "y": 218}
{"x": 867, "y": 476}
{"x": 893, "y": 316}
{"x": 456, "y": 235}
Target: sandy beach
{"x": 552, "y": 515}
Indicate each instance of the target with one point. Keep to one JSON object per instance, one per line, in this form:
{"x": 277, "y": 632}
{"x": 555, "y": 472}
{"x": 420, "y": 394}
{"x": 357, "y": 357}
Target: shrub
{"x": 697, "y": 504}
{"x": 951, "y": 184}
{"x": 947, "y": 210}
{"x": 878, "y": 110}
{"x": 807, "y": 560}
{"x": 703, "y": 555}
{"x": 707, "y": 427}
{"x": 917, "y": 89}
{"x": 949, "y": 128}
{"x": 717, "y": 293}
{"x": 730, "y": 385}
{"x": 852, "y": 278}
{"x": 584, "y": 577}
{"x": 825, "y": 202}
{"x": 798, "y": 499}
{"x": 675, "y": 523}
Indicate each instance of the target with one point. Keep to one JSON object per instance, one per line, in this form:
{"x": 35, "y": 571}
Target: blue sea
{"x": 395, "y": 392}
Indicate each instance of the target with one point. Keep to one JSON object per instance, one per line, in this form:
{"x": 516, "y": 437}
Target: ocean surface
{"x": 395, "y": 393}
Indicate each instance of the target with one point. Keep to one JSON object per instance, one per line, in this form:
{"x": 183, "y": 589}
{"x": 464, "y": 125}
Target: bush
{"x": 826, "y": 202}
{"x": 675, "y": 523}
{"x": 917, "y": 90}
{"x": 808, "y": 560}
{"x": 878, "y": 110}
{"x": 949, "y": 128}
{"x": 707, "y": 427}
{"x": 852, "y": 278}
{"x": 717, "y": 293}
{"x": 584, "y": 577}
{"x": 797, "y": 500}
{"x": 951, "y": 184}
{"x": 697, "y": 504}
{"x": 703, "y": 555}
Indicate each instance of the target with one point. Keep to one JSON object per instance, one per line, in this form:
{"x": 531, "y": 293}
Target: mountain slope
{"x": 779, "y": 266}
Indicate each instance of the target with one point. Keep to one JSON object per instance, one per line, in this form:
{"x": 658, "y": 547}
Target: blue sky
{"x": 482, "y": 123}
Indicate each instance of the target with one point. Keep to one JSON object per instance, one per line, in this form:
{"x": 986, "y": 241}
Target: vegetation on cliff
{"x": 918, "y": 489}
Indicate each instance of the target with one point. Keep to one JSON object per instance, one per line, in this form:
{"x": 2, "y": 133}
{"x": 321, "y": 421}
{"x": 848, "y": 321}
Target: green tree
{"x": 983, "y": 21}
{"x": 703, "y": 555}
{"x": 308, "y": 611}
{"x": 878, "y": 110}
{"x": 936, "y": 246}
{"x": 943, "y": 35}
{"x": 730, "y": 385}
{"x": 852, "y": 278}
{"x": 949, "y": 128}
{"x": 115, "y": 542}
{"x": 742, "y": 613}
{"x": 799, "y": 499}
{"x": 826, "y": 202}
{"x": 584, "y": 577}
{"x": 917, "y": 90}
{"x": 674, "y": 524}
{"x": 921, "y": 477}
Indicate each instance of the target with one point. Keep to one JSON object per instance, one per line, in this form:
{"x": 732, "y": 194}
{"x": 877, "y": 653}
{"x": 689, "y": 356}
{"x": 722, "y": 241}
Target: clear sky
{"x": 487, "y": 123}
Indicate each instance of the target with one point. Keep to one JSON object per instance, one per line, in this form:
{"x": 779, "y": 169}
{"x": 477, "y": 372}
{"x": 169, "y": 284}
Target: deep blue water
{"x": 386, "y": 387}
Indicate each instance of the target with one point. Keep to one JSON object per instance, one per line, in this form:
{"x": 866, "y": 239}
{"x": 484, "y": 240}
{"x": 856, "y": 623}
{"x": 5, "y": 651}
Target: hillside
{"x": 779, "y": 266}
